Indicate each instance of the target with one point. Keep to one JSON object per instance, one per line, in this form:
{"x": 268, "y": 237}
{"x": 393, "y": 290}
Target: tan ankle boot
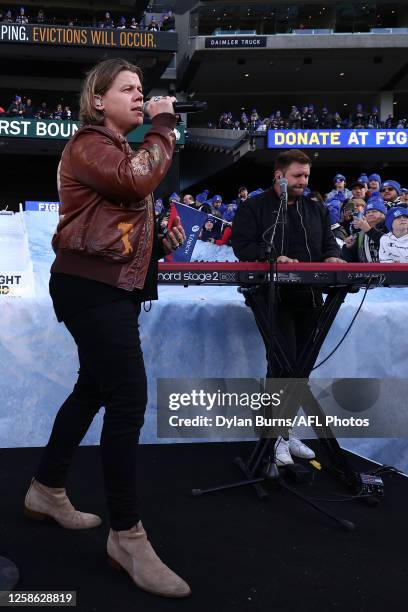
{"x": 132, "y": 551}
{"x": 42, "y": 502}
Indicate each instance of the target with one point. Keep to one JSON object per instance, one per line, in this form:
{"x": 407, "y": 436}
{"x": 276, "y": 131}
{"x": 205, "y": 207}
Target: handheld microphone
{"x": 183, "y": 107}
{"x": 283, "y": 184}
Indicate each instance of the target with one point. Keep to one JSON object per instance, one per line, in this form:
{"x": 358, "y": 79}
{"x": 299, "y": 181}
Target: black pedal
{"x": 370, "y": 484}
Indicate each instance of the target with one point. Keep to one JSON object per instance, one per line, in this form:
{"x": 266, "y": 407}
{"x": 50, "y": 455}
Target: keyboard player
{"x": 305, "y": 237}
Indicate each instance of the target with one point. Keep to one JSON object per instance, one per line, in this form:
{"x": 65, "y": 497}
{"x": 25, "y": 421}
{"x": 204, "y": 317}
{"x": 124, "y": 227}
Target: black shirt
{"x": 297, "y": 247}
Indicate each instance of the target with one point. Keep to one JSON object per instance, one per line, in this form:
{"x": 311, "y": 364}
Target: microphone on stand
{"x": 182, "y": 107}
{"x": 283, "y": 184}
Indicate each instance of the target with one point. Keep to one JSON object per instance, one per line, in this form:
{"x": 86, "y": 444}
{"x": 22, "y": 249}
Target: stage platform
{"x": 238, "y": 553}
{"x": 195, "y": 332}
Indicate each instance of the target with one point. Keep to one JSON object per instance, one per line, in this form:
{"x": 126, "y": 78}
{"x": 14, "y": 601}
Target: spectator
{"x": 225, "y": 121}
{"x": 347, "y": 215}
{"x": 391, "y": 193}
{"x": 389, "y": 122}
{"x": 279, "y": 120}
{"x": 326, "y": 119}
{"x": 16, "y": 108}
{"x": 188, "y": 200}
{"x": 310, "y": 119}
{"x": 359, "y": 119}
{"x": 201, "y": 202}
{"x": 254, "y": 120}
{"x": 242, "y": 195}
{"x": 339, "y": 192}
{"x": 168, "y": 23}
{"x": 22, "y": 17}
{"x": 365, "y": 245}
{"x": 40, "y": 17}
{"x": 358, "y": 204}
{"x": 8, "y": 18}
{"x": 373, "y": 120}
{"x": 294, "y": 118}
{"x": 394, "y": 245}
{"x": 374, "y": 183}
{"x": 108, "y": 22}
{"x": 337, "y": 120}
{"x": 42, "y": 112}
{"x": 208, "y": 233}
{"x": 363, "y": 178}
{"x": 153, "y": 26}
{"x": 133, "y": 24}
{"x": 217, "y": 208}
{"x": 404, "y": 195}
{"x": 29, "y": 109}
{"x": 57, "y": 114}
{"x": 303, "y": 116}
{"x": 359, "y": 189}
{"x": 338, "y": 230}
{"x": 244, "y": 121}
{"x": 66, "y": 115}
{"x": 122, "y": 23}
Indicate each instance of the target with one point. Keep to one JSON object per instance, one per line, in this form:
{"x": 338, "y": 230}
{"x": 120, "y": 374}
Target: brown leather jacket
{"x": 106, "y": 227}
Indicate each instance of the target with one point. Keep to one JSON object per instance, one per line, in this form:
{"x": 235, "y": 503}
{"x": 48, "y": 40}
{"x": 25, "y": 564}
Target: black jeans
{"x": 295, "y": 318}
{"x": 293, "y": 324}
{"x": 112, "y": 375}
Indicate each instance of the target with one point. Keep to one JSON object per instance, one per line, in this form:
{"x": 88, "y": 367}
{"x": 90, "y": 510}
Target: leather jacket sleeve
{"x": 124, "y": 176}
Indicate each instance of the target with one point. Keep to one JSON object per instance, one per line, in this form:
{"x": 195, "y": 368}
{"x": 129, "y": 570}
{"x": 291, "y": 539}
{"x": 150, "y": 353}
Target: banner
{"x": 222, "y": 42}
{"x": 16, "y": 268}
{"x": 192, "y": 220}
{"x": 63, "y": 130}
{"x": 88, "y": 37}
{"x": 338, "y": 139}
{"x": 41, "y": 206}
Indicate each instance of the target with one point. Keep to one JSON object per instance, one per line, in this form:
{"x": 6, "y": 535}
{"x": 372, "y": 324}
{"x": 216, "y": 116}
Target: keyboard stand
{"x": 260, "y": 467}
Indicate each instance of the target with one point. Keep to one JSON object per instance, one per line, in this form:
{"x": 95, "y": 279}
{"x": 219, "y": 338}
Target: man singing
{"x": 258, "y": 234}
{"x": 107, "y": 247}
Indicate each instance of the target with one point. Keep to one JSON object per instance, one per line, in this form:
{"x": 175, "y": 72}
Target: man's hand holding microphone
{"x": 159, "y": 104}
{"x": 175, "y": 236}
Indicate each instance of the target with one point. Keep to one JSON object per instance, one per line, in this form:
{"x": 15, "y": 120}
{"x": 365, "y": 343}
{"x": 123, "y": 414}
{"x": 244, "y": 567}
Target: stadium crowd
{"x": 24, "y": 108}
{"x": 308, "y": 117}
{"x": 362, "y": 216}
{"x": 166, "y": 22}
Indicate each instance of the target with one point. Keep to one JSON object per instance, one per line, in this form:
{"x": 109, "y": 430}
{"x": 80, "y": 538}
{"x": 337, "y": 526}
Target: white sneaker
{"x": 282, "y": 454}
{"x": 298, "y": 448}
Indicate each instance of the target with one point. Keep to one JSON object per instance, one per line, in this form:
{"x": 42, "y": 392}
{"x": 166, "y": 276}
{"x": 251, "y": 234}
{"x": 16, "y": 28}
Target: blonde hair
{"x": 97, "y": 82}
